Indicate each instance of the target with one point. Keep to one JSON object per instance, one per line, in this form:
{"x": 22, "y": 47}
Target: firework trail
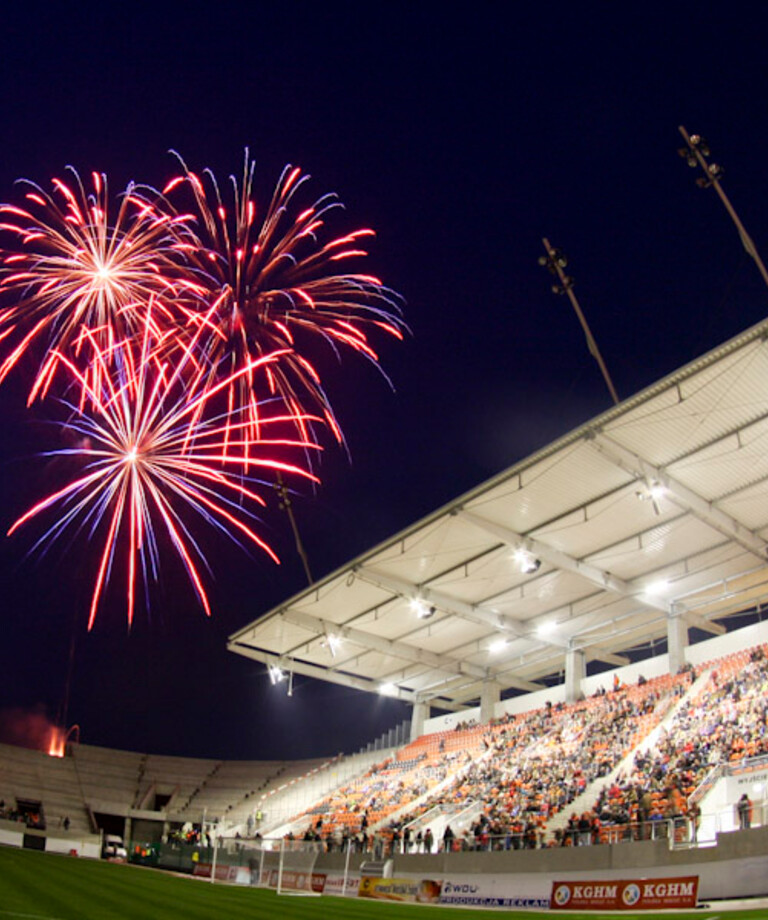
{"x": 151, "y": 449}
{"x": 267, "y": 282}
{"x": 73, "y": 268}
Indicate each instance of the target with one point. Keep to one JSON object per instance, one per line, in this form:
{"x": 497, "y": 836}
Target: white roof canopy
{"x": 657, "y": 508}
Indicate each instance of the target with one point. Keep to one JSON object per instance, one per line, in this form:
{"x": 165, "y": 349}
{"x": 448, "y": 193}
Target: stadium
{"x": 583, "y": 645}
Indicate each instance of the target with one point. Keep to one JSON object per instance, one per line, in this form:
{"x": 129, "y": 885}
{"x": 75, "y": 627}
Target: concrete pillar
{"x": 490, "y": 696}
{"x": 677, "y": 640}
{"x": 575, "y": 672}
{"x": 419, "y": 715}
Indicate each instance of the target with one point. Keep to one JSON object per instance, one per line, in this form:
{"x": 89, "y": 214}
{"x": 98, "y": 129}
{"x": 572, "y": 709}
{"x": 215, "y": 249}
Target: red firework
{"x": 75, "y": 268}
{"x": 151, "y": 448}
{"x": 267, "y": 282}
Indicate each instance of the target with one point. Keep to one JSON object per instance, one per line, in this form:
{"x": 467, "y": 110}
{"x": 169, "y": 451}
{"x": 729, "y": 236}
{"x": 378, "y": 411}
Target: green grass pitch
{"x": 40, "y": 886}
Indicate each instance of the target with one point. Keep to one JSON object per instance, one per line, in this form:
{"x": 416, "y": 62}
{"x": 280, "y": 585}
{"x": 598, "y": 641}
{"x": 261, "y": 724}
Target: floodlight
{"x": 418, "y": 607}
{"x": 527, "y": 562}
{"x": 276, "y": 674}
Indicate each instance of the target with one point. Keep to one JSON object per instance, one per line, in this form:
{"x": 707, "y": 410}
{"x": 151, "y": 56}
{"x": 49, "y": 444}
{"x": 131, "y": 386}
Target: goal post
{"x": 295, "y": 866}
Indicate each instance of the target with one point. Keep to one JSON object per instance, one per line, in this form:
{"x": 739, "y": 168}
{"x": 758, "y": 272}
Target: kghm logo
{"x": 631, "y": 895}
{"x": 562, "y": 895}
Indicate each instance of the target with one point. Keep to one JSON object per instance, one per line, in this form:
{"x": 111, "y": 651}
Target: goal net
{"x": 297, "y": 860}
{"x": 288, "y": 867}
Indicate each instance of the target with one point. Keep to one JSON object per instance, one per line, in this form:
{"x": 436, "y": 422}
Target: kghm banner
{"x": 636, "y": 894}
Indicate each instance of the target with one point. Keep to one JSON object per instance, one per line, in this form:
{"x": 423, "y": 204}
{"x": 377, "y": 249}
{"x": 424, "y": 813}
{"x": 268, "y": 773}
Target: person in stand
{"x": 428, "y": 840}
{"x": 645, "y": 806}
{"x": 694, "y": 819}
{"x": 447, "y": 839}
{"x": 744, "y": 808}
{"x": 419, "y": 842}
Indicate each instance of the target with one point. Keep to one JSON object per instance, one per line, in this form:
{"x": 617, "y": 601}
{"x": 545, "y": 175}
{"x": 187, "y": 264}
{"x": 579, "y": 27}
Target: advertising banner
{"x": 240, "y": 875}
{"x": 641, "y": 894}
{"x": 295, "y": 881}
{"x": 488, "y": 891}
{"x": 421, "y": 891}
{"x": 334, "y": 884}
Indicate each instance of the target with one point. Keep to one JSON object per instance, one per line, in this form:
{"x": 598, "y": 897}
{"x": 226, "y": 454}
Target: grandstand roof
{"x": 656, "y": 508}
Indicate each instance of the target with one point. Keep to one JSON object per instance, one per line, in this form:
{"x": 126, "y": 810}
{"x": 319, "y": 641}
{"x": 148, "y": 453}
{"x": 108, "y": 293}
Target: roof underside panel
{"x": 659, "y": 506}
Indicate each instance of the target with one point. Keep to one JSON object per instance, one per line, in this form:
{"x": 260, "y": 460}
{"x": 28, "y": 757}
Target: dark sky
{"x": 462, "y": 138}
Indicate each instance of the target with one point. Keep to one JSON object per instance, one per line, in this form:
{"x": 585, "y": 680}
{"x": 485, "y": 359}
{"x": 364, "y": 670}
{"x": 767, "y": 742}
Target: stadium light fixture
{"x": 555, "y": 263}
{"x": 652, "y": 492}
{"x": 422, "y": 610}
{"x": 388, "y": 689}
{"x": 498, "y": 645}
{"x": 527, "y": 562}
{"x": 696, "y": 153}
{"x": 276, "y": 674}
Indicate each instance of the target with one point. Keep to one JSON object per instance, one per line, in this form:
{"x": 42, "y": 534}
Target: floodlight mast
{"x": 555, "y": 262}
{"x": 284, "y": 503}
{"x": 695, "y": 153}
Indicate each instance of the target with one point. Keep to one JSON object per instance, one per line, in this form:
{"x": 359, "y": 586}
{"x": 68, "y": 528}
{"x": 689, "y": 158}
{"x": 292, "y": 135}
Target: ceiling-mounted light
{"x": 387, "y": 689}
{"x": 498, "y": 645}
{"x": 652, "y": 492}
{"x": 421, "y": 609}
{"x": 276, "y": 674}
{"x": 527, "y": 562}
{"x": 546, "y": 628}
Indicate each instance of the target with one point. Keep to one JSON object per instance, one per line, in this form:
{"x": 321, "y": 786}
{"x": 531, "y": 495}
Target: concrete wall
{"x": 735, "y": 868}
{"x": 12, "y": 834}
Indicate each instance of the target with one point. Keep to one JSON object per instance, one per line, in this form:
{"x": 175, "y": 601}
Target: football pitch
{"x": 40, "y": 886}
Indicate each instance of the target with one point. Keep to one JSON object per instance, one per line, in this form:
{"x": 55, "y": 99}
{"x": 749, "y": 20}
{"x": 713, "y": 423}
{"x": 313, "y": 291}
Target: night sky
{"x": 463, "y": 139}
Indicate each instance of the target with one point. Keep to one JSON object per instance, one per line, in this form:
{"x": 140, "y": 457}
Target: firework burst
{"x": 269, "y": 283}
{"x": 151, "y": 448}
{"x": 184, "y": 345}
{"x": 74, "y": 268}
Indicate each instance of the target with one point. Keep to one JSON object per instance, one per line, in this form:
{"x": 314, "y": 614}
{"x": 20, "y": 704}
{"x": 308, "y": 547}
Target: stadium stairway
{"x": 433, "y": 792}
{"x": 588, "y": 797}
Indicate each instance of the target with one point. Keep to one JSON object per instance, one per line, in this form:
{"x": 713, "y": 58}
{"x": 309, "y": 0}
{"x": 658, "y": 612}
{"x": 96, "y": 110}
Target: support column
{"x": 575, "y": 672}
{"x": 677, "y": 640}
{"x": 419, "y": 715}
{"x": 489, "y": 697}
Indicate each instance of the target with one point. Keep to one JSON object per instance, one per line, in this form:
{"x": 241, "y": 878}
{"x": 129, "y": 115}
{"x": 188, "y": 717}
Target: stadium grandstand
{"x": 584, "y": 645}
